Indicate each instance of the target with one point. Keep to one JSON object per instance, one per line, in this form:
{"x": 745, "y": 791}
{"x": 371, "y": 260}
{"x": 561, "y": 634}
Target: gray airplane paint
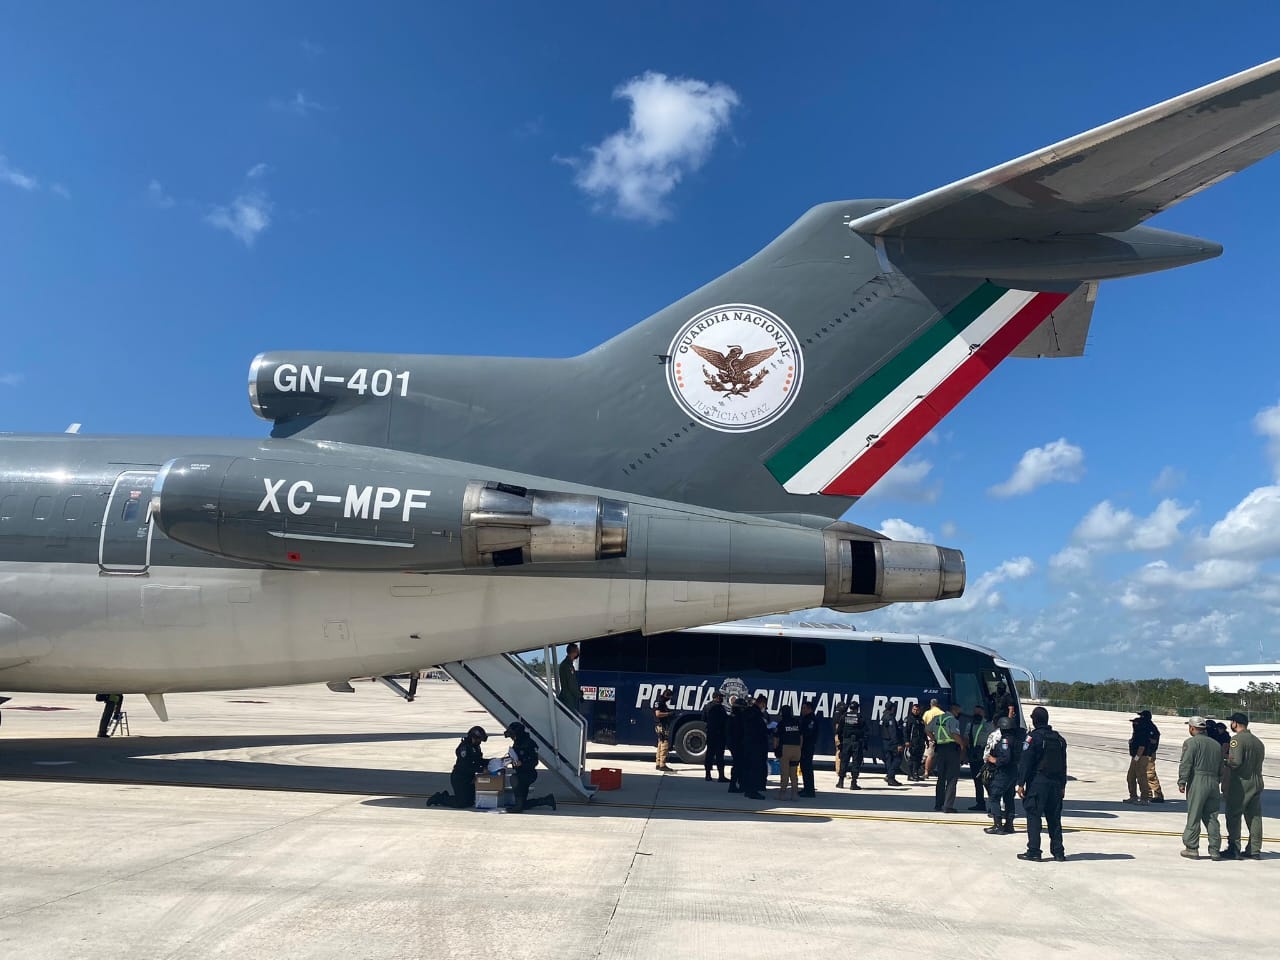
{"x": 94, "y": 595}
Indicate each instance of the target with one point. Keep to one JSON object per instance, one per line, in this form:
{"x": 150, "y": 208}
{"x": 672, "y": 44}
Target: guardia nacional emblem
{"x": 735, "y": 368}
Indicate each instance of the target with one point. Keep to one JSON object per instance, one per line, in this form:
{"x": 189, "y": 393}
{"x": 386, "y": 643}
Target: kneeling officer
{"x": 469, "y": 762}
{"x": 524, "y": 763}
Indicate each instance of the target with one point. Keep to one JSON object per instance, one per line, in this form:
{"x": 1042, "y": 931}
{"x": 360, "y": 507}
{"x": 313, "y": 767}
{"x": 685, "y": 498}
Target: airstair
{"x": 505, "y": 686}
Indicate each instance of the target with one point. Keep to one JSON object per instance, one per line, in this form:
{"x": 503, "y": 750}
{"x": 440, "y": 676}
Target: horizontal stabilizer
{"x": 1109, "y": 179}
{"x": 1063, "y": 332}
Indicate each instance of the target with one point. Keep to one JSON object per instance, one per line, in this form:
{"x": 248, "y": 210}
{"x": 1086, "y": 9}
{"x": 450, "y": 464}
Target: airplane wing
{"x": 1109, "y": 179}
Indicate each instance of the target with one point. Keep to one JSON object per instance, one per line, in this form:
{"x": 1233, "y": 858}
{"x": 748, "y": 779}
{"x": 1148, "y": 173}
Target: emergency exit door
{"x": 124, "y": 546}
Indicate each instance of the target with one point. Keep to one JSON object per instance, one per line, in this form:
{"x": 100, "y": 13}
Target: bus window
{"x": 754, "y": 654}
{"x": 622, "y": 652}
{"x": 684, "y": 653}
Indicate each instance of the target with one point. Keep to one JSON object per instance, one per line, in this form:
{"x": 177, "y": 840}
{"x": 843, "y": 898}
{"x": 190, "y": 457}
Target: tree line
{"x": 1172, "y": 697}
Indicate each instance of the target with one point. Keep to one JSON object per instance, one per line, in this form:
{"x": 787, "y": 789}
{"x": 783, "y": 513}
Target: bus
{"x": 621, "y": 677}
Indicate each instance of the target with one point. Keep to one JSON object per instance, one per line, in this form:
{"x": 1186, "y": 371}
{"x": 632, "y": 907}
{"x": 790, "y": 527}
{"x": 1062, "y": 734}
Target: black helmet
{"x": 514, "y": 730}
{"x": 1004, "y": 723}
{"x": 478, "y": 733}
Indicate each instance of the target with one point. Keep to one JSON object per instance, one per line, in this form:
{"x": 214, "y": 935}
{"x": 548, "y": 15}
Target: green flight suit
{"x": 1244, "y": 790}
{"x": 1200, "y": 771}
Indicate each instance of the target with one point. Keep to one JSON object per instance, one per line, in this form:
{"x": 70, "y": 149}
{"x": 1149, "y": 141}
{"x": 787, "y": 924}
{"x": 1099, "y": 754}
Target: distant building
{"x": 1232, "y": 678}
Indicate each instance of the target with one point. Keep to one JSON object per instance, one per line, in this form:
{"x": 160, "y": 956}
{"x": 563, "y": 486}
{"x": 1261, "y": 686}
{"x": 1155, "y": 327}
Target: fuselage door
{"x": 124, "y": 546}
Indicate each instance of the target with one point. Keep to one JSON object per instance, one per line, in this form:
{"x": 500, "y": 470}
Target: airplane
{"x": 409, "y": 510}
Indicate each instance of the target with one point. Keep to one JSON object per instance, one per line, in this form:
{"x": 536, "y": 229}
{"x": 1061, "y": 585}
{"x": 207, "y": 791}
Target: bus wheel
{"x": 690, "y": 744}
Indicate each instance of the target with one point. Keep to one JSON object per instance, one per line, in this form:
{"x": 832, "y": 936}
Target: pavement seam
{"x": 635, "y": 854}
{"x": 168, "y": 863}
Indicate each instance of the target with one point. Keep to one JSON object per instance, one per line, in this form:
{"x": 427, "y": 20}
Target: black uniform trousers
{"x": 851, "y": 758}
{"x": 914, "y": 755}
{"x": 946, "y": 767}
{"x": 1044, "y": 802}
{"x": 806, "y": 766}
{"x": 715, "y": 755}
{"x": 520, "y": 783}
{"x": 109, "y": 710}
{"x": 735, "y": 770}
{"x": 892, "y": 762}
{"x": 975, "y": 771}
{"x": 464, "y": 790}
{"x": 1000, "y": 794}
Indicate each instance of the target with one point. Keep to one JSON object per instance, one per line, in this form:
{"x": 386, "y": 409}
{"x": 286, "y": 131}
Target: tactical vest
{"x": 1053, "y": 758}
{"x": 943, "y": 736}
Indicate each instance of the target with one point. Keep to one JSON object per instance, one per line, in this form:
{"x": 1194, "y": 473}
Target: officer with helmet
{"x": 1042, "y": 781}
{"x": 1002, "y": 758}
{"x": 524, "y": 765}
{"x": 469, "y": 760}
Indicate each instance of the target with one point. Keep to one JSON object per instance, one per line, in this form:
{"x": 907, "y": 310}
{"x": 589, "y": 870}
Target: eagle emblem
{"x": 734, "y": 377}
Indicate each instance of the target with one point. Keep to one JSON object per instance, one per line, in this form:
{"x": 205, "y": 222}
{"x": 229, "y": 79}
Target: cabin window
{"x": 41, "y": 509}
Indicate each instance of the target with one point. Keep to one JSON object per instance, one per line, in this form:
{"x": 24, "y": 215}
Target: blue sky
{"x": 182, "y": 188}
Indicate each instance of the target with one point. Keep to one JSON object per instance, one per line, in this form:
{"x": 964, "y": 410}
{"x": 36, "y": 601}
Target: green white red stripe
{"x": 855, "y": 443}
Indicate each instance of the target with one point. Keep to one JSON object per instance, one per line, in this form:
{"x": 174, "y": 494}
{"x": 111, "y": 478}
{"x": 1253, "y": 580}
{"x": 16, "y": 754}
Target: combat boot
{"x": 1215, "y": 854}
{"x": 1232, "y": 852}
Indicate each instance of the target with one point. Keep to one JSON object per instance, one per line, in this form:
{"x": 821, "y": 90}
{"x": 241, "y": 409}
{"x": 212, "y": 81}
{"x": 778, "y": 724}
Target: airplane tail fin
{"x": 817, "y": 364}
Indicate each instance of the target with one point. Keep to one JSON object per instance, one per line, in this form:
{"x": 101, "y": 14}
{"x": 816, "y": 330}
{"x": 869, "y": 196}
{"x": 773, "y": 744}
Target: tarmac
{"x": 290, "y": 822}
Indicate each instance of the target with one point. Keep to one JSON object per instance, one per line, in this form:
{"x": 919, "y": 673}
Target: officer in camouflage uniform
{"x": 1199, "y": 773}
{"x": 1244, "y": 789}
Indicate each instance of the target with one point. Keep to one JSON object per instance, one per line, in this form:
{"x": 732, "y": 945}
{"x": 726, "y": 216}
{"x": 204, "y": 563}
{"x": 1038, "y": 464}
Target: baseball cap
{"x": 1239, "y": 717}
{"x": 1198, "y": 723}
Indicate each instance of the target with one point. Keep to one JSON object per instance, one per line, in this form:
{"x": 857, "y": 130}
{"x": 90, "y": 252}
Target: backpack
{"x": 1053, "y": 759}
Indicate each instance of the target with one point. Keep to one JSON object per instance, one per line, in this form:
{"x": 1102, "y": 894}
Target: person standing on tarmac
{"x": 468, "y": 761}
{"x": 716, "y": 722}
{"x": 786, "y": 741}
{"x": 854, "y": 739}
{"x": 949, "y": 749}
{"x": 914, "y": 735}
{"x": 734, "y": 739}
{"x": 662, "y": 714}
{"x": 1244, "y": 789}
{"x": 891, "y": 746}
{"x": 1002, "y": 756}
{"x": 1042, "y": 781}
{"x": 808, "y": 746}
{"x": 755, "y": 754}
{"x": 838, "y": 710}
{"x": 1199, "y": 777}
{"x": 111, "y": 704}
{"x": 930, "y": 715}
{"x": 979, "y": 732}
{"x": 524, "y": 765}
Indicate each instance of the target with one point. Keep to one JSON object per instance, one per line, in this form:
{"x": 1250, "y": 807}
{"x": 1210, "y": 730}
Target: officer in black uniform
{"x": 468, "y": 761}
{"x": 1004, "y": 759}
{"x": 808, "y": 746}
{"x": 524, "y": 763}
{"x": 755, "y": 738}
{"x": 716, "y": 720}
{"x": 891, "y": 746}
{"x": 1001, "y": 702}
{"x": 853, "y": 737}
{"x": 1042, "y": 781}
{"x": 734, "y": 739}
{"x": 913, "y": 733}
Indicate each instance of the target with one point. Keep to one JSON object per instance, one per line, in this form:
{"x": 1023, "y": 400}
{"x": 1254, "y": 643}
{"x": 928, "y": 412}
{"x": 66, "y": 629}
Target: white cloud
{"x": 10, "y": 379}
{"x": 1160, "y": 530}
{"x": 1104, "y": 524}
{"x": 157, "y": 197}
{"x": 1134, "y": 600}
{"x": 1070, "y": 560}
{"x": 60, "y": 190}
{"x": 1267, "y": 423}
{"x": 299, "y": 105}
{"x": 1251, "y": 529}
{"x": 1058, "y": 461}
{"x": 905, "y": 481}
{"x": 1216, "y": 574}
{"x": 949, "y": 529}
{"x": 15, "y": 177}
{"x": 982, "y": 591}
{"x": 674, "y": 125}
{"x": 249, "y": 214}
{"x": 896, "y": 529}
{"x": 1212, "y": 629}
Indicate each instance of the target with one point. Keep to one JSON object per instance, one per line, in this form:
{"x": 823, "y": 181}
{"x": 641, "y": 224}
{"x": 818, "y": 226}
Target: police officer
{"x": 853, "y": 737}
{"x": 949, "y": 750}
{"x": 468, "y": 761}
{"x": 1003, "y": 758}
{"x": 716, "y": 722}
{"x": 1244, "y": 789}
{"x": 914, "y": 736}
{"x": 111, "y": 704}
{"x": 838, "y": 711}
{"x": 755, "y": 753}
{"x": 808, "y": 746}
{"x": 1002, "y": 701}
{"x": 891, "y": 746}
{"x": 734, "y": 739}
{"x": 524, "y": 764}
{"x": 1042, "y": 781}
{"x": 979, "y": 731}
{"x": 1199, "y": 774}
{"x": 662, "y": 714}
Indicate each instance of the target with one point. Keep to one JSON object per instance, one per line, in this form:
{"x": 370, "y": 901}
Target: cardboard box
{"x": 490, "y": 782}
